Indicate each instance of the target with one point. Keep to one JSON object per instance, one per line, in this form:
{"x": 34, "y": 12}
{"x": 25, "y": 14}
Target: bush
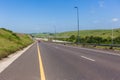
{"x": 72, "y": 38}
{"x": 117, "y": 40}
{"x": 91, "y": 40}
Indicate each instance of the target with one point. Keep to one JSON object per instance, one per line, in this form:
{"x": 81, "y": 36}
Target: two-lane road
{"x": 59, "y": 62}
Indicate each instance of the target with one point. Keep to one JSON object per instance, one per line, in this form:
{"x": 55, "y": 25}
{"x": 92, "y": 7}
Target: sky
{"x": 34, "y": 16}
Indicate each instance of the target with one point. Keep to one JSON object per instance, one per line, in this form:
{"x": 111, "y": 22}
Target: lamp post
{"x": 77, "y": 22}
{"x": 112, "y": 36}
{"x": 112, "y": 42}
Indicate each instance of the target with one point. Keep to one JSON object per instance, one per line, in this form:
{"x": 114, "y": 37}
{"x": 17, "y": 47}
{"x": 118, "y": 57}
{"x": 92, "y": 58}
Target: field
{"x": 11, "y": 42}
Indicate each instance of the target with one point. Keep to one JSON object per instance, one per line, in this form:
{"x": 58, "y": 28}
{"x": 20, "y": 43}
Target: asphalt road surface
{"x": 48, "y": 61}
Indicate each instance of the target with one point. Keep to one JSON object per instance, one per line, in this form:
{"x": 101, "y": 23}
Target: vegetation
{"x": 92, "y": 36}
{"x": 87, "y": 36}
{"x": 11, "y": 42}
{"x": 91, "y": 39}
{"x": 42, "y": 35}
{"x": 83, "y": 33}
{"x": 98, "y": 33}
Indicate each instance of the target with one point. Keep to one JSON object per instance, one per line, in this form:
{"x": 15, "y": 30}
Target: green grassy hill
{"x": 11, "y": 42}
{"x": 84, "y": 33}
{"x": 40, "y": 35}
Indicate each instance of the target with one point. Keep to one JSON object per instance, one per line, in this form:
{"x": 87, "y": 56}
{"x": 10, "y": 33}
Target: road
{"x": 48, "y": 61}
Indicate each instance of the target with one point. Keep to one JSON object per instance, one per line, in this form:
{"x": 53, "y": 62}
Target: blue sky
{"x": 30, "y": 16}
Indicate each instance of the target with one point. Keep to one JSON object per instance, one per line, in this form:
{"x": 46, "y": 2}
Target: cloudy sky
{"x": 29, "y": 16}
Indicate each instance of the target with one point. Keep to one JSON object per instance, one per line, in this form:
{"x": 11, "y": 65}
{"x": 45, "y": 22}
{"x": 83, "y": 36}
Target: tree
{"x": 72, "y": 38}
{"x": 117, "y": 40}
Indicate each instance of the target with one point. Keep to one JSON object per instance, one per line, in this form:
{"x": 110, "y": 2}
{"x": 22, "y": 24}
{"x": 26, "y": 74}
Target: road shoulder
{"x": 4, "y": 63}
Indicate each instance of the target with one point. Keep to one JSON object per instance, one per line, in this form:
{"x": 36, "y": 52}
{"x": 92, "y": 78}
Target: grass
{"x": 98, "y": 33}
{"x": 11, "y": 42}
{"x": 83, "y": 33}
{"x": 42, "y": 35}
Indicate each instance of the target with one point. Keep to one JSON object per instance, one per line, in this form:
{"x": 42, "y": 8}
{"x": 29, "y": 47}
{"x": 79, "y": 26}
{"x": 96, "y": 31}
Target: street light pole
{"x": 78, "y": 22}
{"x": 112, "y": 40}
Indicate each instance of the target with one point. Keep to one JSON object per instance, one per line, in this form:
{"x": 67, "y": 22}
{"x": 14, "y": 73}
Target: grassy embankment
{"x": 11, "y": 42}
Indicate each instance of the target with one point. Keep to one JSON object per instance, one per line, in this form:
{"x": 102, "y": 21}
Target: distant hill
{"x": 43, "y": 35}
{"x": 84, "y": 33}
{"x": 11, "y": 42}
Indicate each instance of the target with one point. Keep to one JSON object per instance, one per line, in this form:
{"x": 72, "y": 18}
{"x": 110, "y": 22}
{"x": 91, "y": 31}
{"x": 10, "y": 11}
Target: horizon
{"x": 38, "y": 16}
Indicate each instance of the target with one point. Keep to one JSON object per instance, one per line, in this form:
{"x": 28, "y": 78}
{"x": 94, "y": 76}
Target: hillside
{"x": 40, "y": 34}
{"x": 11, "y": 42}
{"x": 98, "y": 33}
{"x": 83, "y": 33}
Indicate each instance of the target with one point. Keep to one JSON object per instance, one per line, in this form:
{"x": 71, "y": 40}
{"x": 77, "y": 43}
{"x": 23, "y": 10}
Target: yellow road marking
{"x": 42, "y": 73}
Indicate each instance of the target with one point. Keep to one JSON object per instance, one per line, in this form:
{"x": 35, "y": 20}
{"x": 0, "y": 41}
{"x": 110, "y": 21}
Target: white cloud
{"x": 115, "y": 19}
{"x": 101, "y": 3}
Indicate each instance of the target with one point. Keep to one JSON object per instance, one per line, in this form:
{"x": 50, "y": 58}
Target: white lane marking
{"x": 77, "y": 53}
{"x": 87, "y": 58}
